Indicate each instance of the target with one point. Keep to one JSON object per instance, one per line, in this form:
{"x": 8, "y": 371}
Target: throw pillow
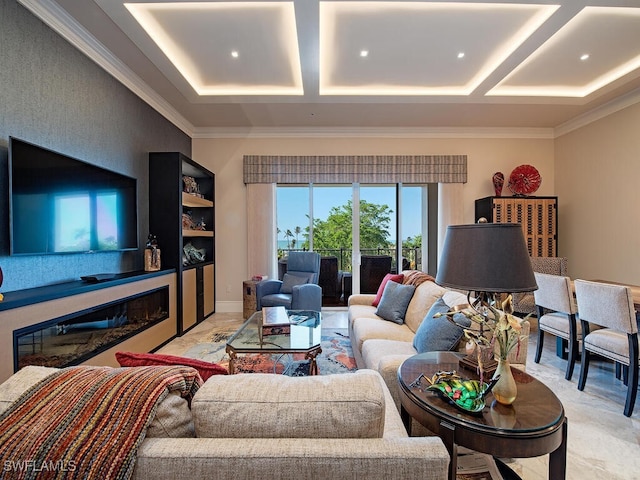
{"x": 439, "y": 334}
{"x": 205, "y": 369}
{"x": 394, "y": 302}
{"x": 289, "y": 281}
{"x": 398, "y": 278}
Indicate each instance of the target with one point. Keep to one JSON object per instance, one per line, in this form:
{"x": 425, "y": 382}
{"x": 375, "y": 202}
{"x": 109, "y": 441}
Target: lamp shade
{"x": 486, "y": 257}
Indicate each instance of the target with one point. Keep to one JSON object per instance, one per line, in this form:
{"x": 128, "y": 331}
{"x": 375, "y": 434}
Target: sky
{"x": 293, "y": 206}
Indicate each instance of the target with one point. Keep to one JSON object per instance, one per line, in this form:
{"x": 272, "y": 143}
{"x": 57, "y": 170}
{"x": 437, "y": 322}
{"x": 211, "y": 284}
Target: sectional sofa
{"x": 271, "y": 426}
{"x": 383, "y": 345}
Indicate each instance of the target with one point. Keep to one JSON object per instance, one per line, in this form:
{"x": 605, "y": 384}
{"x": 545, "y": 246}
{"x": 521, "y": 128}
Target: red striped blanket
{"x": 86, "y": 422}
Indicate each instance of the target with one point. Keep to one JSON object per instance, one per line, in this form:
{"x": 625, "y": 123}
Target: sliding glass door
{"x": 384, "y": 223}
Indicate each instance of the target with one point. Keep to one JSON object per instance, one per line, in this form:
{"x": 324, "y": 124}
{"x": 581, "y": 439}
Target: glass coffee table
{"x": 302, "y": 337}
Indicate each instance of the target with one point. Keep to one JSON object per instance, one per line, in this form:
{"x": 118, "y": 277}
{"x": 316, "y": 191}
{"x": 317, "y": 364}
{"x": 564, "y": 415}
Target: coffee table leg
{"x": 558, "y": 458}
{"x": 313, "y": 365}
{"x": 232, "y": 359}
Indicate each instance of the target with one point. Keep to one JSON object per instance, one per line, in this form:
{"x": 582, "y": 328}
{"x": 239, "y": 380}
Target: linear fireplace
{"x": 72, "y": 339}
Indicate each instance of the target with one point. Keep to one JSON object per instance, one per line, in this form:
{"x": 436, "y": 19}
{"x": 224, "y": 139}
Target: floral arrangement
{"x": 495, "y": 327}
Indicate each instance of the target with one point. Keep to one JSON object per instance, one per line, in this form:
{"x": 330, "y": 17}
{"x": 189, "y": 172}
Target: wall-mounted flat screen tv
{"x": 58, "y": 204}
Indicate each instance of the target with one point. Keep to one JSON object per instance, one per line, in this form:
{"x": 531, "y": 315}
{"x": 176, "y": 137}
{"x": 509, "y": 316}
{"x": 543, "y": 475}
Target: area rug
{"x": 336, "y": 356}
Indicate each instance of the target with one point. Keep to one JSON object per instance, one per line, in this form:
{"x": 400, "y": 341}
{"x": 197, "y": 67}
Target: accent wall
{"x": 52, "y": 95}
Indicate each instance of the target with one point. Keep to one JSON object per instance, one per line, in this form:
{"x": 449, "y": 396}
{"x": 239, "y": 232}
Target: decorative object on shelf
{"x": 466, "y": 395}
{"x": 524, "y": 180}
{"x": 191, "y": 186}
{"x": 498, "y": 182}
{"x": 488, "y": 260}
{"x": 200, "y": 225}
{"x": 151, "y": 254}
{"x": 192, "y": 255}
{"x": 188, "y": 223}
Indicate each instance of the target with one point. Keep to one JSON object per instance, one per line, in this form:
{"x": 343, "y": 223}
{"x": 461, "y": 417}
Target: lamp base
{"x": 470, "y": 362}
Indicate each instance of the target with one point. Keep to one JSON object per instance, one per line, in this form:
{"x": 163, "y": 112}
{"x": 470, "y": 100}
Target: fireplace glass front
{"x": 74, "y": 338}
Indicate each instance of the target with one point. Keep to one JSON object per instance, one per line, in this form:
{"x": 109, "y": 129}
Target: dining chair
{"x": 523, "y": 302}
{"x": 611, "y": 307}
{"x": 557, "y": 310}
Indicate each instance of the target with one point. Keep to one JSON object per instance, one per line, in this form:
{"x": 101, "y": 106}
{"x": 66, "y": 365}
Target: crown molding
{"x": 602, "y": 111}
{"x": 68, "y": 28}
{"x": 374, "y": 132}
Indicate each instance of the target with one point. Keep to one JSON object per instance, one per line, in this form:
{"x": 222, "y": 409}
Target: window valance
{"x": 355, "y": 169}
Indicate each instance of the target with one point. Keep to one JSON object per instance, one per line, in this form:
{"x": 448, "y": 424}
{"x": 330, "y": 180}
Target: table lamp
{"x": 485, "y": 260}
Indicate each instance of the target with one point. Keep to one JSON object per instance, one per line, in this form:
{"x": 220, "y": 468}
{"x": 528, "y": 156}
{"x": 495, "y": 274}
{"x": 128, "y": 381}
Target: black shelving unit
{"x": 170, "y": 200}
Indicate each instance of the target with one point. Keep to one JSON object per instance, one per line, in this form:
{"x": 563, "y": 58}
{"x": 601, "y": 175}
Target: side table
{"x": 534, "y": 425}
{"x": 249, "y": 302}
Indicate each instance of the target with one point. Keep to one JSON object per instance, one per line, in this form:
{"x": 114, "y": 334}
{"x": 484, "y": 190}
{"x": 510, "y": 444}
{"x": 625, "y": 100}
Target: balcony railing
{"x": 412, "y": 257}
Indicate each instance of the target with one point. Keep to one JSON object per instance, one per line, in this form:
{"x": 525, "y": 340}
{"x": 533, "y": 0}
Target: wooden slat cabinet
{"x": 537, "y": 215}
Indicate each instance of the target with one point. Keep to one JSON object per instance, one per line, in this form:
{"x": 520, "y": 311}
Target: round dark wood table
{"x": 532, "y": 426}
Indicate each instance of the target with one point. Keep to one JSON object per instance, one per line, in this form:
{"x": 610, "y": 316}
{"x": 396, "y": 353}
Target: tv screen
{"x": 58, "y": 204}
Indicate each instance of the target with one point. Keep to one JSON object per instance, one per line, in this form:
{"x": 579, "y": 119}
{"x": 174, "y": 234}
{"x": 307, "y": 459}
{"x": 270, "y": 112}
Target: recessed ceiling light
{"x": 364, "y": 53}
{"x": 461, "y": 55}
{"x": 235, "y": 54}
{"x": 584, "y": 57}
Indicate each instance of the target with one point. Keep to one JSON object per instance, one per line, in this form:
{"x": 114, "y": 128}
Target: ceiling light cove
{"x": 204, "y": 40}
{"x": 418, "y": 45}
{"x": 609, "y": 34}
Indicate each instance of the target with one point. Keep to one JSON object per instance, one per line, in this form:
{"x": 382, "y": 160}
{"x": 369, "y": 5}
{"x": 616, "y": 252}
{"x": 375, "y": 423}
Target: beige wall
{"x": 224, "y": 158}
{"x": 597, "y": 183}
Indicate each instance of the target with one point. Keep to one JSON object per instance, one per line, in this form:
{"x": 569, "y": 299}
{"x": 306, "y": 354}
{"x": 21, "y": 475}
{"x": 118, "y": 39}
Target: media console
{"x": 86, "y": 323}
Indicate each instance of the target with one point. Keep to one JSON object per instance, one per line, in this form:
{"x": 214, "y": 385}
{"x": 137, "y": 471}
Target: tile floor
{"x": 602, "y": 442}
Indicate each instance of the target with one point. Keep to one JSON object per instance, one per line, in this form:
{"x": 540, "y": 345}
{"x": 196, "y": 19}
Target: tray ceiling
{"x": 310, "y": 63}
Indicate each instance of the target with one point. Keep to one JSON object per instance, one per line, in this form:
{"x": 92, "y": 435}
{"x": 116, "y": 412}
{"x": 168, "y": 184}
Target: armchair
{"x": 298, "y": 289}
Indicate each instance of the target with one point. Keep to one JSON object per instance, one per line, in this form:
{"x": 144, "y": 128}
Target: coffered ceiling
{"x": 309, "y": 65}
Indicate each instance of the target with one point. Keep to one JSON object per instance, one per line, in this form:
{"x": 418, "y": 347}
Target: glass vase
{"x": 505, "y": 390}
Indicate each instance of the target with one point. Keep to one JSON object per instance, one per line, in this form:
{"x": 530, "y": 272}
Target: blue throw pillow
{"x": 394, "y": 302}
{"x": 439, "y": 334}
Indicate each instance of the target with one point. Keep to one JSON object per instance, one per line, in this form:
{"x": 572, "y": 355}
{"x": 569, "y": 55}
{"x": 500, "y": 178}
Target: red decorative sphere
{"x": 524, "y": 180}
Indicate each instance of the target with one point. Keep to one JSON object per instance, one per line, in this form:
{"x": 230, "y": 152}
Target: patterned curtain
{"x": 355, "y": 169}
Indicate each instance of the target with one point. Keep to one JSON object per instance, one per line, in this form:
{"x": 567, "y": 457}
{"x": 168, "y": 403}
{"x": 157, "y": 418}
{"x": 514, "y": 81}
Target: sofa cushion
{"x": 19, "y": 382}
{"x": 289, "y": 281}
{"x": 364, "y": 329}
{"x": 425, "y": 295}
{"x": 388, "y": 277}
{"x": 439, "y": 334}
{"x": 276, "y": 406}
{"x": 173, "y": 419}
{"x": 375, "y": 349}
{"x": 205, "y": 369}
{"x": 394, "y": 302}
